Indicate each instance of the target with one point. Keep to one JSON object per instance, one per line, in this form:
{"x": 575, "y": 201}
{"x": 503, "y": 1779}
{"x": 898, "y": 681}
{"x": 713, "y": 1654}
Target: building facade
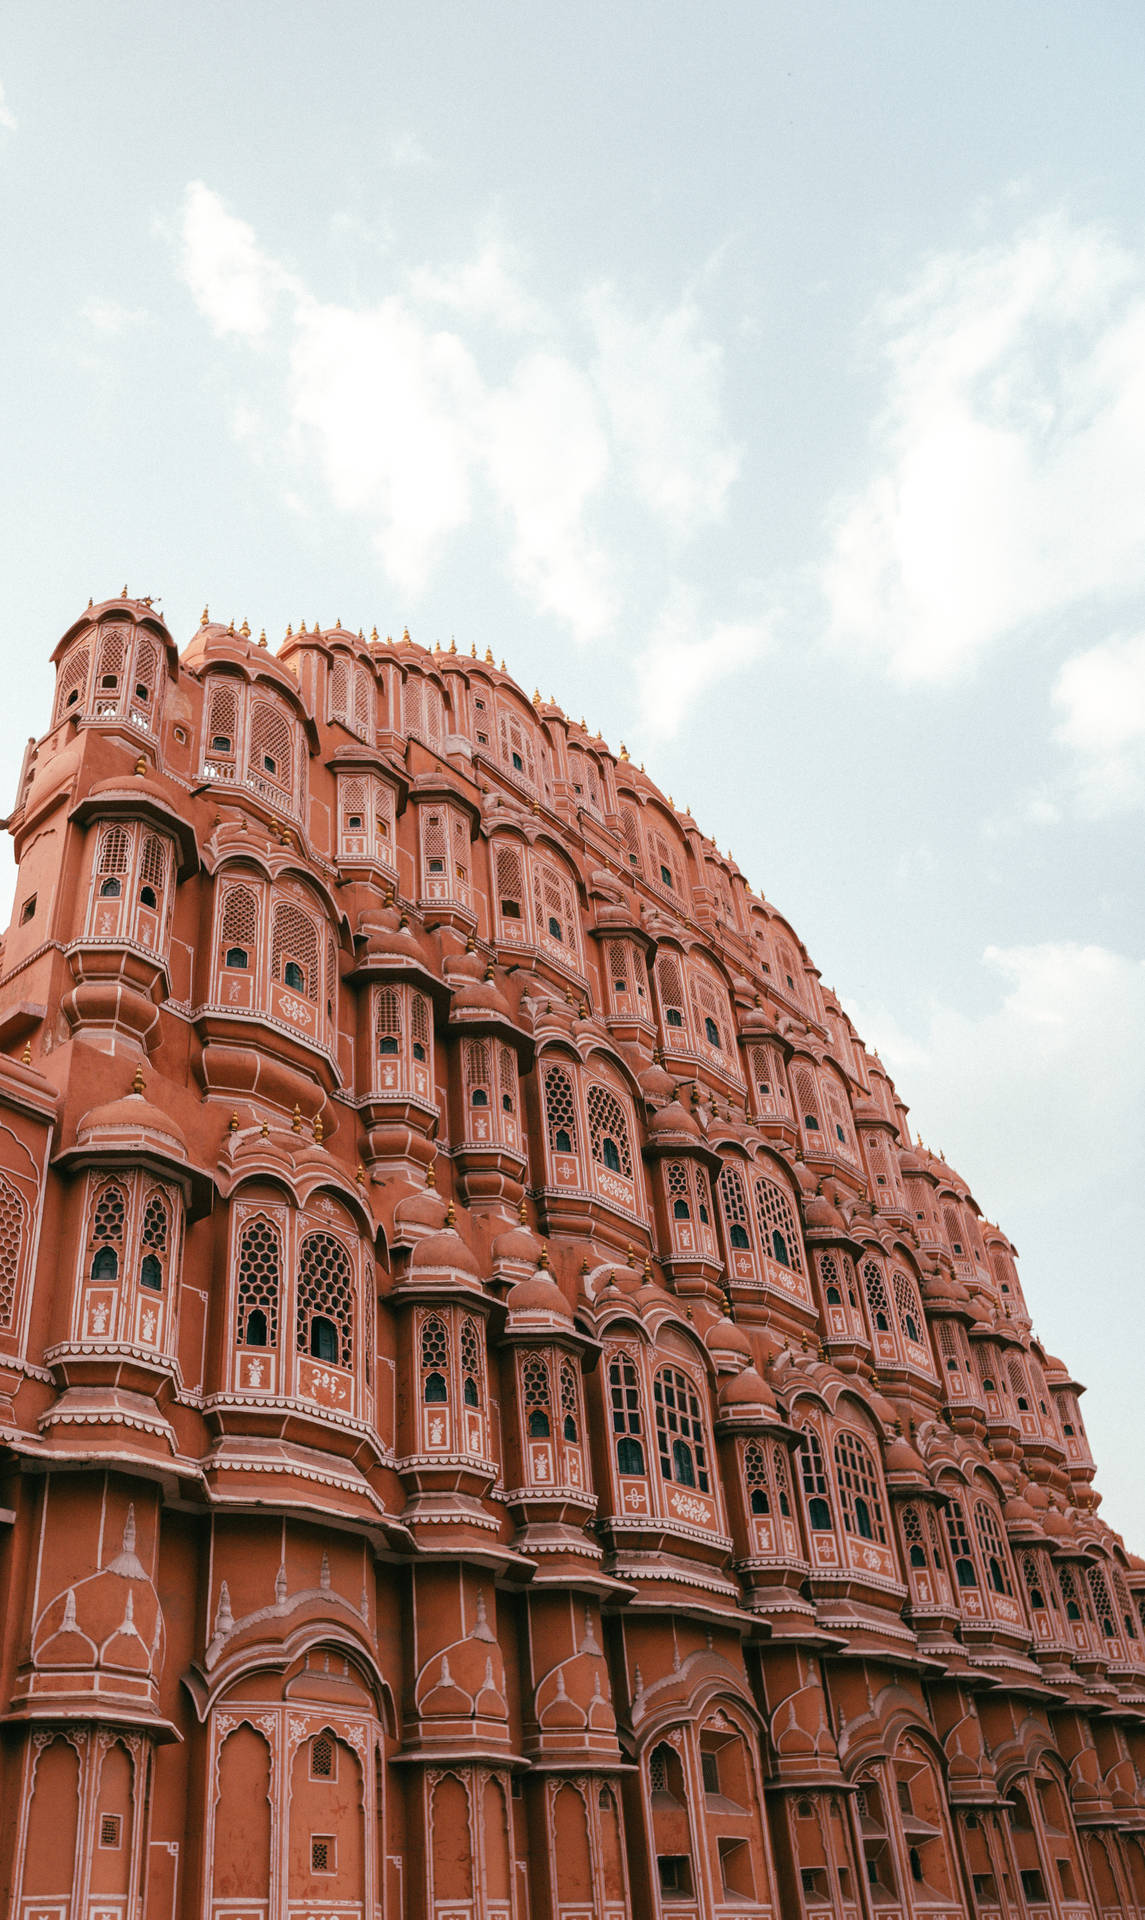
{"x": 499, "y": 1418}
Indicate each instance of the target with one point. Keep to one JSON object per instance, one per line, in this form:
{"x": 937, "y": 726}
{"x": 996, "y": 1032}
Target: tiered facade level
{"x": 497, "y": 1415}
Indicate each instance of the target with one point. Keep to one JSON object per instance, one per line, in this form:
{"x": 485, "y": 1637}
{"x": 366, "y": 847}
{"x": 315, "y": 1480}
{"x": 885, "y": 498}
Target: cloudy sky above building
{"x": 766, "y": 381}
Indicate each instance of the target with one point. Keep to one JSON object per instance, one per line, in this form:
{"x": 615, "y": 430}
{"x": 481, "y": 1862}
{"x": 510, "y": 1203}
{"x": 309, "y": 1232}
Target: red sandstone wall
{"x": 497, "y": 1414}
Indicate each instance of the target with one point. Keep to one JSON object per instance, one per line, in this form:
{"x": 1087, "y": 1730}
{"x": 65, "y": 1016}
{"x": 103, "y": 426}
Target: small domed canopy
{"x": 538, "y": 1295}
{"x": 725, "y": 1341}
{"x": 518, "y": 1244}
{"x": 673, "y": 1120}
{"x": 746, "y": 1390}
{"x": 418, "y": 1214}
{"x": 901, "y": 1458}
{"x": 445, "y": 1252}
{"x": 131, "y": 1121}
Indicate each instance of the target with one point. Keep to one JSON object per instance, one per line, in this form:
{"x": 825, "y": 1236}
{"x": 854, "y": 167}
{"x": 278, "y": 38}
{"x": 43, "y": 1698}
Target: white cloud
{"x": 685, "y": 657}
{"x": 414, "y": 427}
{"x": 1009, "y": 454}
{"x": 1053, "y": 1075}
{"x": 107, "y": 316}
{"x": 7, "y": 117}
{"x": 660, "y": 379}
{"x": 233, "y": 283}
{"x": 1100, "y": 695}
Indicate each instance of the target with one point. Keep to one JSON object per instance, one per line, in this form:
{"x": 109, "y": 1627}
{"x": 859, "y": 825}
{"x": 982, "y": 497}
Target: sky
{"x": 764, "y": 381}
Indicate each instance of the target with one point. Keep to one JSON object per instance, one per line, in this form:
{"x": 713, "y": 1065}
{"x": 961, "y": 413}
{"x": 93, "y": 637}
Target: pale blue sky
{"x": 767, "y": 382}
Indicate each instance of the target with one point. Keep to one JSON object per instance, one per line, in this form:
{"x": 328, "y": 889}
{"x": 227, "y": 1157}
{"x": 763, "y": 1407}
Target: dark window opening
{"x": 388, "y": 1043}
{"x": 510, "y": 910}
{"x": 680, "y": 1210}
{"x": 674, "y": 1017}
{"x": 479, "y": 1097}
{"x": 563, "y": 1142}
{"x": 629, "y": 1455}
{"x": 436, "y": 866}
{"x": 323, "y": 1340}
{"x": 469, "y": 1392}
{"x": 28, "y": 910}
{"x": 254, "y": 1334}
{"x": 237, "y": 957}
{"x": 109, "y": 890}
{"x": 570, "y": 1427}
{"x": 810, "y": 1122}
{"x": 610, "y": 1155}
{"x": 221, "y": 743}
{"x": 739, "y": 1238}
{"x": 779, "y": 1248}
{"x": 683, "y": 1466}
{"x": 270, "y": 764}
{"x": 675, "y": 1870}
{"x": 917, "y": 1557}
{"x": 965, "y": 1574}
{"x": 863, "y": 1526}
{"x": 151, "y": 1273}
{"x": 713, "y": 1033}
{"x": 840, "y": 1134}
{"x": 507, "y": 1102}
{"x": 434, "y": 1390}
{"x": 666, "y": 876}
{"x": 293, "y": 976}
{"x": 110, "y": 680}
{"x": 148, "y": 897}
{"x": 518, "y": 763}
{"x": 819, "y": 1516}
{"x": 538, "y": 1424}
{"x": 555, "y": 927}
{"x": 105, "y": 1266}
{"x": 418, "y": 1050}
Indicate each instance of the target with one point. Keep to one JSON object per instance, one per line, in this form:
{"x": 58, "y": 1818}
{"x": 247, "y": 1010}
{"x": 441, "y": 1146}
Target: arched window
{"x": 756, "y": 1477}
{"x": 110, "y": 1214}
{"x": 994, "y": 1556}
{"x": 733, "y": 1199}
{"x": 259, "y": 1282}
{"x": 294, "y": 950}
{"x": 570, "y": 1402}
{"x": 156, "y": 1224}
{"x": 269, "y": 757}
{"x": 680, "y": 1429}
{"x": 815, "y": 1492}
{"x": 388, "y": 1021}
{"x": 624, "y": 1394}
{"x": 476, "y": 1059}
{"x": 507, "y": 1077}
{"x": 670, "y": 988}
{"x": 113, "y": 861}
{"x": 238, "y": 926}
{"x": 856, "y": 1477}
{"x": 538, "y": 1396}
{"x": 608, "y": 1131}
{"x": 961, "y": 1551}
{"x": 631, "y": 835}
{"x": 72, "y": 685}
{"x": 11, "y": 1246}
{"x": 434, "y": 1361}
{"x": 420, "y": 1027}
{"x": 909, "y": 1308}
{"x": 1102, "y": 1601}
{"x": 472, "y": 1362}
{"x": 1070, "y": 1595}
{"x": 875, "y": 1288}
{"x": 560, "y": 1110}
{"x": 510, "y": 875}
{"x": 105, "y": 1266}
{"x": 554, "y": 905}
{"x": 221, "y": 731}
{"x": 325, "y": 1300}
{"x": 807, "y": 1095}
{"x": 777, "y": 1225}
{"x": 912, "y": 1537}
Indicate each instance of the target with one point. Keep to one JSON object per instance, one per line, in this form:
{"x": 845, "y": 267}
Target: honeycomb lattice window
{"x": 153, "y": 864}
{"x": 156, "y": 1223}
{"x": 608, "y": 1129}
{"x": 770, "y": 1084}
{"x": 260, "y": 1278}
{"x": 269, "y": 752}
{"x": 860, "y": 1499}
{"x": 756, "y": 1477}
{"x": 145, "y": 674}
{"x": 238, "y": 924}
{"x": 570, "y": 1400}
{"x": 670, "y": 986}
{"x": 434, "y": 1346}
{"x": 781, "y": 1478}
{"x": 114, "y": 851}
{"x": 294, "y": 943}
{"x": 476, "y": 1066}
{"x": 72, "y": 685}
{"x": 777, "y": 1225}
{"x": 472, "y": 1371}
{"x": 878, "y": 1299}
{"x": 326, "y": 1291}
{"x": 510, "y": 884}
{"x": 909, "y": 1307}
{"x": 554, "y": 904}
{"x": 112, "y": 656}
{"x": 388, "y": 1020}
{"x": 560, "y": 1111}
{"x": 912, "y": 1536}
{"x": 733, "y": 1199}
{"x": 807, "y": 1096}
{"x": 110, "y": 1213}
{"x": 680, "y": 1429}
{"x": 11, "y": 1244}
{"x": 538, "y": 1397}
{"x": 994, "y": 1556}
{"x": 678, "y": 1189}
{"x": 221, "y": 736}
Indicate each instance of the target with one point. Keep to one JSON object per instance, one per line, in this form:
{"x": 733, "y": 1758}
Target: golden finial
{"x": 642, "y": 766}
{"x": 623, "y": 751}
{"x": 338, "y": 624}
{"x": 647, "y": 1268}
{"x": 141, "y": 764}
{"x": 389, "y": 639}
{"x": 452, "y": 644}
{"x": 470, "y": 944}
{"x": 289, "y": 631}
{"x": 489, "y": 656}
{"x": 450, "y": 1214}
{"x": 123, "y": 595}
{"x": 489, "y": 970}
{"x": 245, "y": 629}
{"x": 523, "y": 1212}
{"x": 584, "y": 1269}
{"x": 26, "y": 1058}
{"x": 430, "y": 1177}
{"x": 262, "y": 637}
{"x": 233, "y": 1123}
{"x": 90, "y": 603}
{"x": 374, "y": 635}
{"x": 473, "y": 651}
{"x": 265, "y": 1129}
{"x": 403, "y": 920}
{"x": 302, "y": 626}
{"x": 296, "y": 1122}
{"x": 139, "y": 1083}
{"x": 406, "y": 641}
{"x": 543, "y": 1257}
{"x": 319, "y": 1129}
{"x": 204, "y": 617}
{"x": 630, "y": 1253}
{"x": 360, "y": 1175}
{"x": 536, "y": 696}
{"x": 582, "y": 1011}
{"x": 502, "y": 666}
{"x": 671, "y": 802}
{"x": 361, "y": 635}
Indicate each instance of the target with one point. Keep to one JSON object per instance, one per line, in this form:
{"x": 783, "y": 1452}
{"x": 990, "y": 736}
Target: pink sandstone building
{"x": 499, "y": 1418}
